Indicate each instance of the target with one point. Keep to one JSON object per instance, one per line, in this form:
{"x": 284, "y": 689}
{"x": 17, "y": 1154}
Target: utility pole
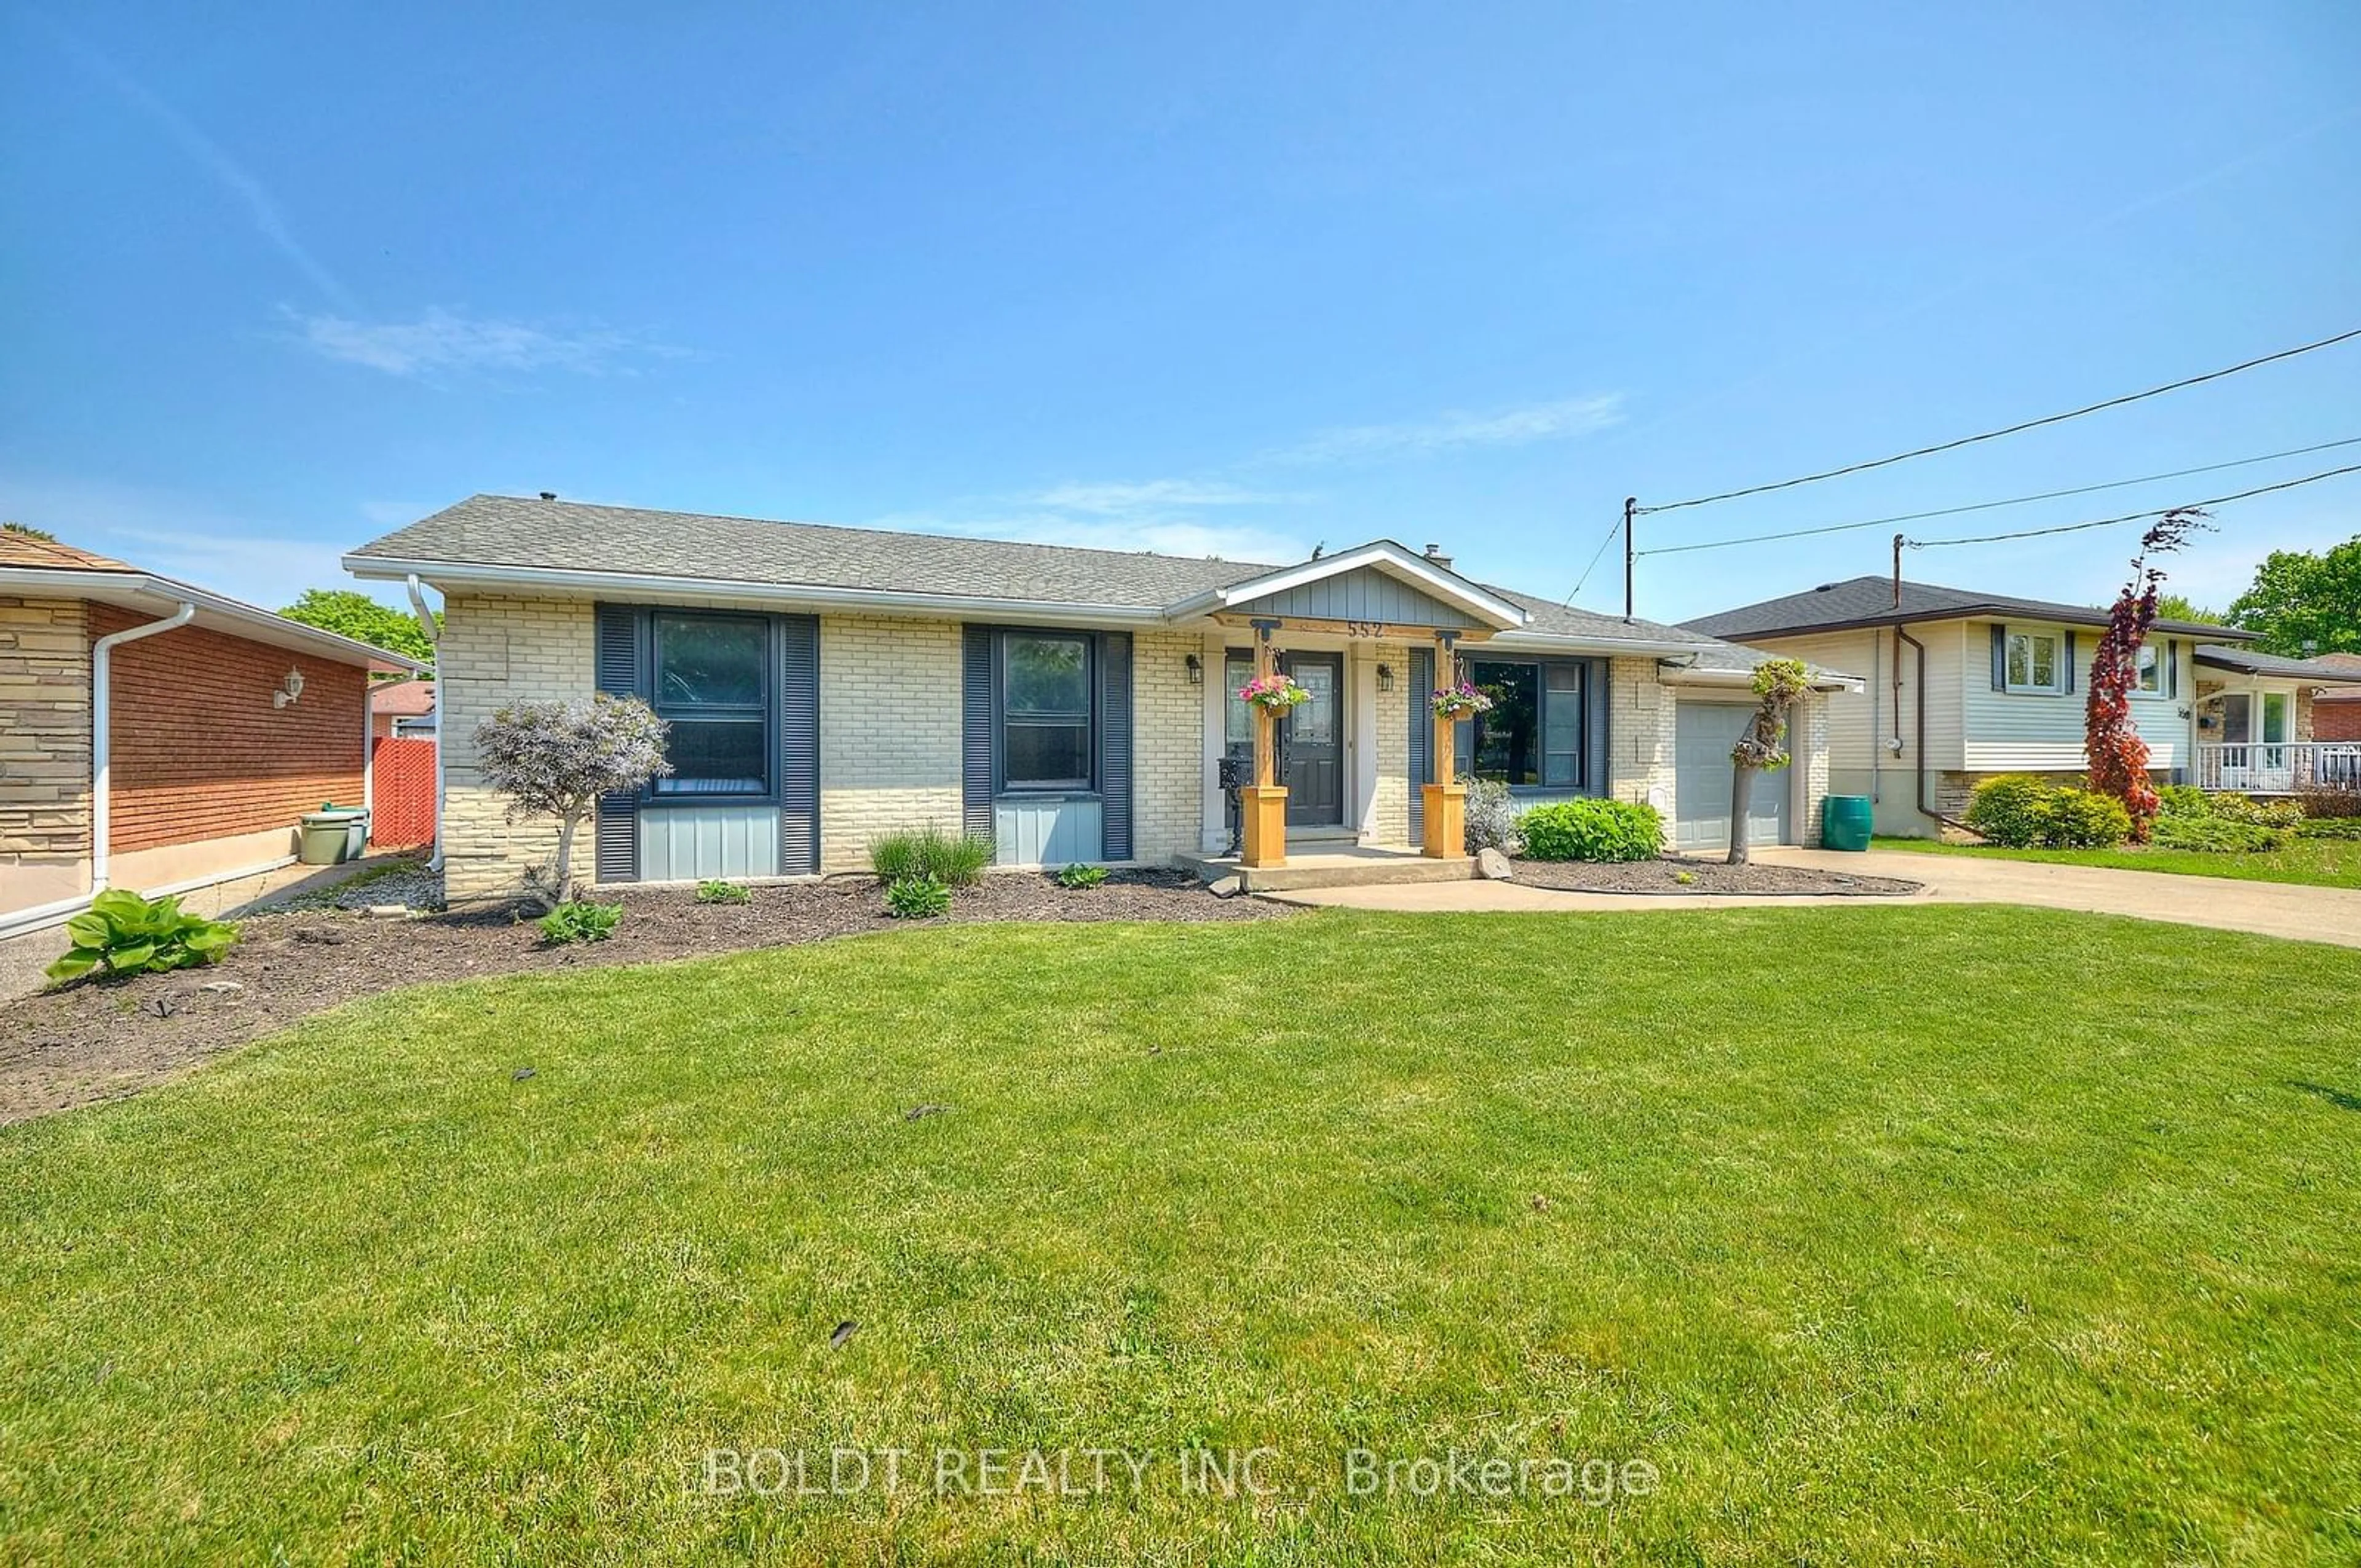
{"x": 1630, "y": 509}
{"x": 1897, "y": 571}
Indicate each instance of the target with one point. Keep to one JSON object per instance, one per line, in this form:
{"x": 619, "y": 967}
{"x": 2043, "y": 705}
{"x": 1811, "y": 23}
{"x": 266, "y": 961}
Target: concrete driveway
{"x": 2264, "y": 908}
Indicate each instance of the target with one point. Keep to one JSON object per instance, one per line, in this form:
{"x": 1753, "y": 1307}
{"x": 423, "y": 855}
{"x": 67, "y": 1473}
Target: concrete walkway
{"x": 2264, "y": 908}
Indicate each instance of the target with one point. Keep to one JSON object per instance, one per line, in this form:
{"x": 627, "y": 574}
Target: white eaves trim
{"x": 1672, "y": 674}
{"x": 1383, "y": 553}
{"x": 137, "y": 589}
{"x": 653, "y": 588}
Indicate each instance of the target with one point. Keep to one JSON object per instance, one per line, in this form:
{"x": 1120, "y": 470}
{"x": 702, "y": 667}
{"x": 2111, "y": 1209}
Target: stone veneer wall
{"x": 1167, "y": 731}
{"x": 44, "y": 747}
{"x": 1391, "y": 811}
{"x": 1808, "y": 743}
{"x": 498, "y": 649}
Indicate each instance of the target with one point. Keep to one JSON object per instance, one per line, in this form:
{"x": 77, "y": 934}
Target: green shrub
{"x": 2022, "y": 811}
{"x": 2013, "y": 810}
{"x": 123, "y": 933}
{"x": 580, "y": 920}
{"x": 2182, "y": 800}
{"x": 1593, "y": 830}
{"x": 955, "y": 859}
{"x": 2085, "y": 820}
{"x": 1079, "y": 875}
{"x": 2213, "y": 835}
{"x": 2257, "y": 813}
{"x": 917, "y": 898}
{"x": 714, "y": 890}
{"x": 2331, "y": 827}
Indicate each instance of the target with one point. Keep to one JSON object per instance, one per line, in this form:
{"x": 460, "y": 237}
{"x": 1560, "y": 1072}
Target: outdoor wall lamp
{"x": 289, "y": 689}
{"x": 1196, "y": 670}
{"x": 1385, "y": 677}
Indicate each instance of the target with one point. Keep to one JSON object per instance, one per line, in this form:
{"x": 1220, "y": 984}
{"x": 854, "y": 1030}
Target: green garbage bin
{"x": 1845, "y": 822}
{"x": 328, "y": 832}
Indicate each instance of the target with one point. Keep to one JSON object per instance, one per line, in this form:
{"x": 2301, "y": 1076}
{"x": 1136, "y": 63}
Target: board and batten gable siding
{"x": 1364, "y": 594}
{"x": 2037, "y": 732}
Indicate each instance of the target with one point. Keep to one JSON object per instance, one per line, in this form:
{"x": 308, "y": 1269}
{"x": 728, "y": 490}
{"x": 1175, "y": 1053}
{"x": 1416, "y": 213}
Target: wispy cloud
{"x": 1131, "y": 498}
{"x": 261, "y": 208}
{"x": 1561, "y": 420}
{"x": 441, "y": 342}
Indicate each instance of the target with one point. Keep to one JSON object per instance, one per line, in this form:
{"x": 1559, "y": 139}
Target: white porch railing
{"x": 2277, "y": 767}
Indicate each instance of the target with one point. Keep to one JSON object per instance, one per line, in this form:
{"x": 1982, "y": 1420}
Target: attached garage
{"x": 1705, "y": 732}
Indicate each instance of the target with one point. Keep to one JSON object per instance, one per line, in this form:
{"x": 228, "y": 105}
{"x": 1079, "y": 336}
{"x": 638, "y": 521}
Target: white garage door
{"x": 1705, "y": 733}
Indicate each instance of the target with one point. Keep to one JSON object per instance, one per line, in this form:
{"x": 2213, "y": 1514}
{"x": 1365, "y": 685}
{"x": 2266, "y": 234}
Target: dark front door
{"x": 1312, "y": 742}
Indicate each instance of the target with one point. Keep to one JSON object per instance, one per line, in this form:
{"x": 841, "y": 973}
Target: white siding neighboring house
{"x": 2003, "y": 682}
{"x": 826, "y": 686}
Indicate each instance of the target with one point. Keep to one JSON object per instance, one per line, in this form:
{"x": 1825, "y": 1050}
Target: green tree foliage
{"x": 23, "y": 531}
{"x": 363, "y": 619}
{"x": 2299, "y": 597}
{"x": 2178, "y": 606}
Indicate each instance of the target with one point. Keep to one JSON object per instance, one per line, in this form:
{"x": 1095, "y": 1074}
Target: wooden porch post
{"x": 1263, "y": 802}
{"x": 1445, "y": 800}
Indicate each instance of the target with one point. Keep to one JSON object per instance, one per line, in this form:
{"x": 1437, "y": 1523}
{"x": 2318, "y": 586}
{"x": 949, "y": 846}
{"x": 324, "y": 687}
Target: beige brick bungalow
{"x": 825, "y": 686}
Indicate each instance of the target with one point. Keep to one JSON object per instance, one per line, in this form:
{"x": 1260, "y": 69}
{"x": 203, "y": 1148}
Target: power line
{"x": 2008, "y": 430}
{"x": 1989, "y": 506}
{"x": 2135, "y": 516}
{"x": 1612, "y": 530}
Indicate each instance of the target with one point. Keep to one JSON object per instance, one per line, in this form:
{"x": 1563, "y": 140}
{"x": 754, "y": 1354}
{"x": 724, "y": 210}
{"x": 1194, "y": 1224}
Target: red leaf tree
{"x": 2118, "y": 757}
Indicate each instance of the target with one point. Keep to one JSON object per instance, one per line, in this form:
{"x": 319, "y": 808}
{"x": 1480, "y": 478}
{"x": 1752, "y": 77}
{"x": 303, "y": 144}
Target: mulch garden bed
{"x": 103, "y": 1040}
{"x": 1663, "y": 876}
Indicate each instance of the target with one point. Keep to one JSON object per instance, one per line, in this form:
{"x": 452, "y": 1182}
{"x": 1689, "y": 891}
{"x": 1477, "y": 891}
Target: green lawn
{"x": 1927, "y": 1235}
{"x": 2321, "y": 862}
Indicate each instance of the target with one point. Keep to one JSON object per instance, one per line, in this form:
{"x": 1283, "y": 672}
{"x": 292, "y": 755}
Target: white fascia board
{"x": 1444, "y": 584}
{"x": 1589, "y": 647}
{"x": 644, "y": 586}
{"x": 1822, "y": 681}
{"x": 221, "y": 613}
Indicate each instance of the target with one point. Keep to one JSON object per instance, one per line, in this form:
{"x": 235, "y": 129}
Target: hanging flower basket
{"x": 1275, "y": 695}
{"x": 1461, "y": 701}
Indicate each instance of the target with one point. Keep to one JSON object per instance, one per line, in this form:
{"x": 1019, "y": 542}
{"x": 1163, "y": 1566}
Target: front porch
{"x": 2277, "y": 767}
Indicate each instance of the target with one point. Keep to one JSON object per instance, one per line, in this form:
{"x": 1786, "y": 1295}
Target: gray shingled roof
{"x": 507, "y": 530}
{"x": 1868, "y": 601}
{"x": 2255, "y": 663}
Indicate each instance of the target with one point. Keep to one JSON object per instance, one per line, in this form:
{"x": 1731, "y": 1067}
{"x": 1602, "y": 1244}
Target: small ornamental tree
{"x": 1779, "y": 685}
{"x": 2118, "y": 757}
{"x": 556, "y": 759}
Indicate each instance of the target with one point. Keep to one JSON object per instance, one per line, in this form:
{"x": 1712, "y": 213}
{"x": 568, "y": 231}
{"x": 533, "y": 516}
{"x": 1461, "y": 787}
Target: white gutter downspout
{"x": 102, "y": 662}
{"x": 427, "y": 624}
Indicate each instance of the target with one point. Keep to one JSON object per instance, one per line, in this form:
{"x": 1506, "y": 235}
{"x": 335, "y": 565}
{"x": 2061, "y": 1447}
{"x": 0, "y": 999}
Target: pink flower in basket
{"x": 1274, "y": 693}
{"x": 1461, "y": 701}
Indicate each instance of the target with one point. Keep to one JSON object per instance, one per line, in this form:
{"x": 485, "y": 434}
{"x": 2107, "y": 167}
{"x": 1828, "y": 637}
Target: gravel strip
{"x": 1663, "y": 877}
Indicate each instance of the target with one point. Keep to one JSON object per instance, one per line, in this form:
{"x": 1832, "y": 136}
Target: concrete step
{"x": 1361, "y": 868}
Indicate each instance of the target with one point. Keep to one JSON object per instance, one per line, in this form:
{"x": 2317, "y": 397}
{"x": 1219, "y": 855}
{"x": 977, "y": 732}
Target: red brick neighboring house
{"x": 2336, "y": 711}
{"x": 402, "y": 707}
{"x": 155, "y": 735}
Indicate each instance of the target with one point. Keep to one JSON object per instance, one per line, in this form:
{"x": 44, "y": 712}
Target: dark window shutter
{"x": 798, "y": 743}
{"x": 621, "y": 657}
{"x": 975, "y": 741}
{"x": 1596, "y": 709}
{"x": 1115, "y": 745}
{"x": 2069, "y": 661}
{"x": 2172, "y": 666}
{"x": 2000, "y": 657}
{"x": 1421, "y": 736}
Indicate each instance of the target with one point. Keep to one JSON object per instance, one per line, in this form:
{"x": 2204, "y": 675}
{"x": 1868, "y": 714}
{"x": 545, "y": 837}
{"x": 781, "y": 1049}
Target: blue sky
{"x": 1215, "y": 277}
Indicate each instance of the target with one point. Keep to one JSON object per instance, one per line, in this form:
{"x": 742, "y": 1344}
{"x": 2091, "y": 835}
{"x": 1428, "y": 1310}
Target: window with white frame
{"x": 2151, "y": 669}
{"x": 2036, "y": 662}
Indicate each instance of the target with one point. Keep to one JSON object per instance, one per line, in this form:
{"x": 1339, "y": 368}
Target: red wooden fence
{"x": 404, "y": 768}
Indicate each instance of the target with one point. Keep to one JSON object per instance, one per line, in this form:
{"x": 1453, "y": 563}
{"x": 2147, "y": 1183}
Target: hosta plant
{"x": 1081, "y": 875}
{"x": 122, "y": 933}
{"x": 580, "y": 920}
{"x": 918, "y": 898}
